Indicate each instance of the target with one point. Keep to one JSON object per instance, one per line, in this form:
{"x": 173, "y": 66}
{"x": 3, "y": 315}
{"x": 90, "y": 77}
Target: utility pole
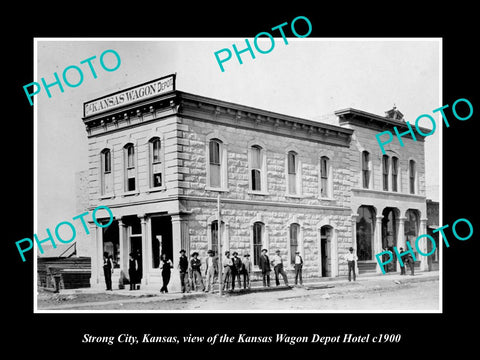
{"x": 219, "y": 247}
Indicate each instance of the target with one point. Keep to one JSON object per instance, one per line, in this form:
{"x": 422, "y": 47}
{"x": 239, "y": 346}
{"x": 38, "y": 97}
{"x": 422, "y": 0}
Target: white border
{"x": 263, "y": 311}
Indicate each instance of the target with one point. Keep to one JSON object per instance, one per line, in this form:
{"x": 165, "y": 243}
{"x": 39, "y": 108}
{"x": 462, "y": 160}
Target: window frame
{"x": 222, "y": 157}
{"x": 385, "y": 172}
{"x": 366, "y": 170}
{"x": 159, "y": 163}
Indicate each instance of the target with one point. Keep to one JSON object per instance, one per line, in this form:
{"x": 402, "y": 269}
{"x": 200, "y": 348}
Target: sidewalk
{"x": 147, "y": 295}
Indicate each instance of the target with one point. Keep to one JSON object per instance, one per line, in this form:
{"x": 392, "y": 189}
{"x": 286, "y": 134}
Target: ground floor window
{"x": 111, "y": 243}
{"x": 365, "y": 227}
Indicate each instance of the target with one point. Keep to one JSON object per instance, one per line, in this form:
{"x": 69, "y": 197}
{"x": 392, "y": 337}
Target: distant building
{"x": 159, "y": 157}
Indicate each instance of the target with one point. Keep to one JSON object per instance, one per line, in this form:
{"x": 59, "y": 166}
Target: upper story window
{"x": 215, "y": 160}
{"x": 385, "y": 171}
{"x": 106, "y": 172}
{"x": 412, "y": 175}
{"x": 394, "y": 174}
{"x": 325, "y": 180}
{"x": 156, "y": 163}
{"x": 130, "y": 171}
{"x": 256, "y": 167}
{"x": 292, "y": 169}
{"x": 365, "y": 169}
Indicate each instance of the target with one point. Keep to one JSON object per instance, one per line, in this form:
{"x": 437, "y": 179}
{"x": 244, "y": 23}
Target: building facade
{"x": 159, "y": 158}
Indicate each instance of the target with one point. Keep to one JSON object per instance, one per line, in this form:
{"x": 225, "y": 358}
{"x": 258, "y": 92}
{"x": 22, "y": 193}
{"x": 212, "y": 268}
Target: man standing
{"x": 247, "y": 270}
{"x": 227, "y": 269}
{"x": 107, "y": 270}
{"x": 409, "y": 260}
{"x": 298, "y": 268}
{"x": 277, "y": 263}
{"x": 265, "y": 267}
{"x": 351, "y": 258}
{"x": 236, "y": 270}
{"x": 211, "y": 269}
{"x": 402, "y": 268}
{"x": 196, "y": 264}
{"x": 183, "y": 269}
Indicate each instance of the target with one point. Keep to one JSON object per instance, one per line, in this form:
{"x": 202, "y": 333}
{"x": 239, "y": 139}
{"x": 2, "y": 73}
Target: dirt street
{"x": 409, "y": 293}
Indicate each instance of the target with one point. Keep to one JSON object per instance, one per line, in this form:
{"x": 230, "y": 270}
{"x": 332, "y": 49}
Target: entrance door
{"x": 325, "y": 241}
{"x": 323, "y": 246}
{"x": 136, "y": 249}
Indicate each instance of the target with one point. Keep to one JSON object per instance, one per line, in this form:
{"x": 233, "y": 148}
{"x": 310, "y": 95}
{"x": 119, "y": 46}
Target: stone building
{"x": 159, "y": 158}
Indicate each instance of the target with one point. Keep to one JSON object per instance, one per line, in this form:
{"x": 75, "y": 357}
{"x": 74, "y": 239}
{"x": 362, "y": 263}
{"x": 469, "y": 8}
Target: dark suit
{"x": 265, "y": 267}
{"x": 236, "y": 271}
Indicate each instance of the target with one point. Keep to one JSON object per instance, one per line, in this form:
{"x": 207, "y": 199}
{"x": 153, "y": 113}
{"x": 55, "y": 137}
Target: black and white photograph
{"x": 248, "y": 189}
{"x": 192, "y": 180}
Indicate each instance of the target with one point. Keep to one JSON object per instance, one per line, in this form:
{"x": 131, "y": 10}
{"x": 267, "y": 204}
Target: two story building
{"x": 159, "y": 158}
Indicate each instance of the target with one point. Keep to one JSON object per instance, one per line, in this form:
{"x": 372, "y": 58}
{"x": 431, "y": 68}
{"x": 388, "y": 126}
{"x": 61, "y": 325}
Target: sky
{"x": 307, "y": 78}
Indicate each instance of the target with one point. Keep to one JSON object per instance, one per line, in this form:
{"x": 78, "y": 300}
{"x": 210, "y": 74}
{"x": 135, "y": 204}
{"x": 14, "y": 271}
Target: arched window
{"x": 365, "y": 227}
{"x": 412, "y": 174}
{"x": 256, "y": 167}
{"x": 294, "y": 241}
{"x": 411, "y": 227}
{"x": 394, "y": 174}
{"x": 130, "y": 172}
{"x": 258, "y": 229}
{"x": 385, "y": 171}
{"x": 292, "y": 172}
{"x": 365, "y": 169}
{"x": 156, "y": 163}
{"x": 106, "y": 172}
{"x": 215, "y": 159}
{"x": 325, "y": 177}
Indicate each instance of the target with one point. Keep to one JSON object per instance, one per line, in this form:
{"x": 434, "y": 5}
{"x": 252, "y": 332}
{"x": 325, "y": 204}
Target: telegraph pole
{"x": 219, "y": 247}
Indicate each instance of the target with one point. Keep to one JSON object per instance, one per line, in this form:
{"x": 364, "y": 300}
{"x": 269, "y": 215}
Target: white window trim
{"x": 300, "y": 245}
{"x": 125, "y": 160}
{"x": 390, "y": 177}
{"x": 298, "y": 175}
{"x": 329, "y": 179}
{"x": 101, "y": 180}
{"x": 415, "y": 180}
{"x": 223, "y": 165}
{"x": 370, "y": 168}
{"x": 151, "y": 188}
{"x": 265, "y": 239}
{"x": 263, "y": 170}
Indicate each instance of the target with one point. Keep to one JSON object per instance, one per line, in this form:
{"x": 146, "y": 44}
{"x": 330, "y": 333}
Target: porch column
{"x": 144, "y": 249}
{"x": 354, "y": 238}
{"x": 123, "y": 247}
{"x": 401, "y": 238}
{"x": 377, "y": 242}
{"x": 179, "y": 241}
{"x": 96, "y": 254}
{"x": 422, "y": 244}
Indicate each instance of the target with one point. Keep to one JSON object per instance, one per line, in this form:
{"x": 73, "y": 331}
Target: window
{"x": 324, "y": 177}
{"x": 365, "y": 169}
{"x": 257, "y": 242}
{"x": 256, "y": 167}
{"x": 130, "y": 182}
{"x": 294, "y": 230}
{"x": 385, "y": 165}
{"x": 215, "y": 163}
{"x": 365, "y": 231}
{"x": 412, "y": 169}
{"x": 292, "y": 172}
{"x": 214, "y": 232}
{"x": 156, "y": 165}
{"x": 394, "y": 174}
{"x": 106, "y": 172}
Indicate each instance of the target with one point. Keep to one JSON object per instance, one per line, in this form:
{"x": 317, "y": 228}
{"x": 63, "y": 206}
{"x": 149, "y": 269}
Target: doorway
{"x": 325, "y": 250}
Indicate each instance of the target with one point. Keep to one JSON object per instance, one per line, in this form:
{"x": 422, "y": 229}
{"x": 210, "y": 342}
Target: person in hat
{"x": 246, "y": 270}
{"x": 166, "y": 266}
{"x": 265, "y": 267}
{"x": 227, "y": 269}
{"x": 236, "y": 270}
{"x": 277, "y": 263}
{"x": 298, "y": 268}
{"x": 107, "y": 269}
{"x": 351, "y": 258}
{"x": 183, "y": 270}
{"x": 402, "y": 268}
{"x": 132, "y": 270}
{"x": 211, "y": 269}
{"x": 196, "y": 264}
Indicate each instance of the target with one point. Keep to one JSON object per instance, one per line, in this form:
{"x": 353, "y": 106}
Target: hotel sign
{"x": 130, "y": 96}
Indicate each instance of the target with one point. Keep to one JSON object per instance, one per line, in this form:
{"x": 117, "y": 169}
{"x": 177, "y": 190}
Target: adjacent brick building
{"x": 159, "y": 158}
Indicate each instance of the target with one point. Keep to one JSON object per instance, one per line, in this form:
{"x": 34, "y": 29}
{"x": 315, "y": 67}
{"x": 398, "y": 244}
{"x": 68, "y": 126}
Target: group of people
{"x": 234, "y": 269}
